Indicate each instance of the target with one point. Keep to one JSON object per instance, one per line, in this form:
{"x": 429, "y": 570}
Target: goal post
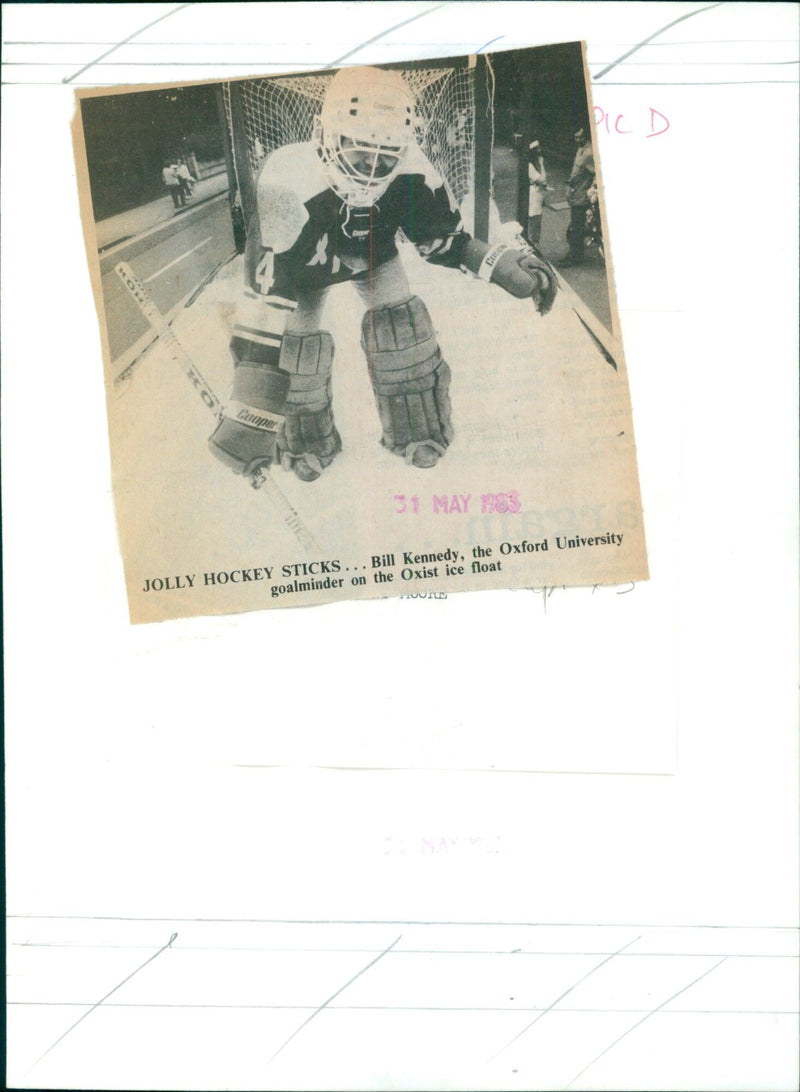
{"x": 482, "y": 151}
{"x": 526, "y": 100}
{"x": 453, "y": 126}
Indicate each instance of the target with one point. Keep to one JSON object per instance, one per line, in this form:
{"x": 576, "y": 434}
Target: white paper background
{"x": 137, "y": 786}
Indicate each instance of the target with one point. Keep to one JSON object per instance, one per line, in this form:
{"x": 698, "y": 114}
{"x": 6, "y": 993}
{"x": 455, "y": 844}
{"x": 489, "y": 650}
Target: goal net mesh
{"x": 281, "y": 110}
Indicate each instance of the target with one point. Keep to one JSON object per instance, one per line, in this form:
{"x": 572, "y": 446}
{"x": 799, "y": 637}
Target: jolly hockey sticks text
{"x": 179, "y": 356}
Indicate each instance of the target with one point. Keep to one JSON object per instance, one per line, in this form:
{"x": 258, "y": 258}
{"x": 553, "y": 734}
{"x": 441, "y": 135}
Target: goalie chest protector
{"x": 318, "y": 240}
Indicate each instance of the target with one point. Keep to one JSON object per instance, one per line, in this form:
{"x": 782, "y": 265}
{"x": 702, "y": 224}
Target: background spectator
{"x": 173, "y": 184}
{"x": 537, "y": 188}
{"x": 185, "y": 179}
{"x": 580, "y": 181}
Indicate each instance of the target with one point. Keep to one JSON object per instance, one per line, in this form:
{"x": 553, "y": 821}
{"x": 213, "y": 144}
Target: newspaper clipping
{"x": 360, "y": 335}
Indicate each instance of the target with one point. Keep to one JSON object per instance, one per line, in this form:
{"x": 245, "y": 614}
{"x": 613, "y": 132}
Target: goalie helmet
{"x": 363, "y": 132}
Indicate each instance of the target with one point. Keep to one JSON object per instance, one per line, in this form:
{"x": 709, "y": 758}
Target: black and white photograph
{"x": 360, "y": 335}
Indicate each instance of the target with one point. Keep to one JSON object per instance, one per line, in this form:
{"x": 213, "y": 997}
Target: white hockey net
{"x": 281, "y": 110}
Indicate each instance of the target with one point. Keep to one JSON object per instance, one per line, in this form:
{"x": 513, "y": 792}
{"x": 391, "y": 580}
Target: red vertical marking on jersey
{"x": 370, "y": 368}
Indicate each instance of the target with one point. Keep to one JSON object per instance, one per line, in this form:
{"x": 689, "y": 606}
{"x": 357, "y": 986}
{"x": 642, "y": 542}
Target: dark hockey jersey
{"x": 309, "y": 239}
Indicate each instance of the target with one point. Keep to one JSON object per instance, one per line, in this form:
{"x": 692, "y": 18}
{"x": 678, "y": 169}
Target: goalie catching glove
{"x": 520, "y": 272}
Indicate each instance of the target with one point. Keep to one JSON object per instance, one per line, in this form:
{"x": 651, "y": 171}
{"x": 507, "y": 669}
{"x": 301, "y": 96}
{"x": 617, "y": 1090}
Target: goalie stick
{"x": 511, "y": 234}
{"x": 259, "y": 480}
{"x": 602, "y": 339}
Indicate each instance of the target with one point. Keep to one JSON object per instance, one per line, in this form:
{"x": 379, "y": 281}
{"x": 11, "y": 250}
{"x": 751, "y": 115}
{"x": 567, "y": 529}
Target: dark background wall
{"x": 549, "y": 84}
{"x": 128, "y": 137}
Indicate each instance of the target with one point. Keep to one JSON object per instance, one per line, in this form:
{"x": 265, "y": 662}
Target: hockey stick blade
{"x": 260, "y": 481}
{"x": 597, "y": 341}
{"x": 601, "y": 337}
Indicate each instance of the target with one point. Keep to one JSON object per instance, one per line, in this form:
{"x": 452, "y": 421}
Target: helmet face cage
{"x": 363, "y": 133}
{"x": 367, "y": 168}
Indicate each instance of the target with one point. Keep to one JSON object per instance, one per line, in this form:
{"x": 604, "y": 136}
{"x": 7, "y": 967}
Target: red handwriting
{"x": 657, "y": 125}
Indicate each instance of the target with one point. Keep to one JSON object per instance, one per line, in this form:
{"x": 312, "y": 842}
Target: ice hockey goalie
{"x": 328, "y": 211}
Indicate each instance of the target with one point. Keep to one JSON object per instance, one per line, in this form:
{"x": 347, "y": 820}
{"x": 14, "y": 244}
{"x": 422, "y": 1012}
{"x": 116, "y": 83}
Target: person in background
{"x": 537, "y": 188}
{"x": 173, "y": 183}
{"x": 594, "y": 227}
{"x": 580, "y": 181}
{"x": 185, "y": 178}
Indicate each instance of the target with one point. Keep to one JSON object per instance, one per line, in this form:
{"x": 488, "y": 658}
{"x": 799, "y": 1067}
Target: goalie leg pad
{"x": 410, "y": 380}
{"x": 308, "y": 440}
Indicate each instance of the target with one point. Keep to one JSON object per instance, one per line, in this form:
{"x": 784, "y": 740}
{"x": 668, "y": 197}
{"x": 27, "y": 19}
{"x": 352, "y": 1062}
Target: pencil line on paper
{"x": 562, "y": 996}
{"x": 676, "y": 64}
{"x": 97, "y": 1004}
{"x": 333, "y": 996}
{"x": 640, "y": 1022}
{"x": 183, "y": 45}
{"x": 136, "y": 33}
{"x": 397, "y": 1008}
{"x": 674, "y": 22}
{"x": 198, "y": 44}
{"x": 792, "y": 929}
{"x": 461, "y": 769}
{"x": 608, "y": 83}
{"x": 703, "y": 42}
{"x": 166, "y": 64}
{"x": 491, "y": 41}
{"x": 76, "y": 946}
{"x": 691, "y": 83}
{"x": 383, "y": 34}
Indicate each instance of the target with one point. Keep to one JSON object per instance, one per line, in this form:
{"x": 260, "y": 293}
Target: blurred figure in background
{"x": 173, "y": 183}
{"x": 537, "y": 188}
{"x": 594, "y": 227}
{"x": 580, "y": 182}
{"x": 186, "y": 179}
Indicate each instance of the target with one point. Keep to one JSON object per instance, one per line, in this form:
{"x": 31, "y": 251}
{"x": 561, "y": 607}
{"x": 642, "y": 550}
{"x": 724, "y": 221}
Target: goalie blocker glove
{"x": 248, "y": 428}
{"x": 520, "y": 272}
